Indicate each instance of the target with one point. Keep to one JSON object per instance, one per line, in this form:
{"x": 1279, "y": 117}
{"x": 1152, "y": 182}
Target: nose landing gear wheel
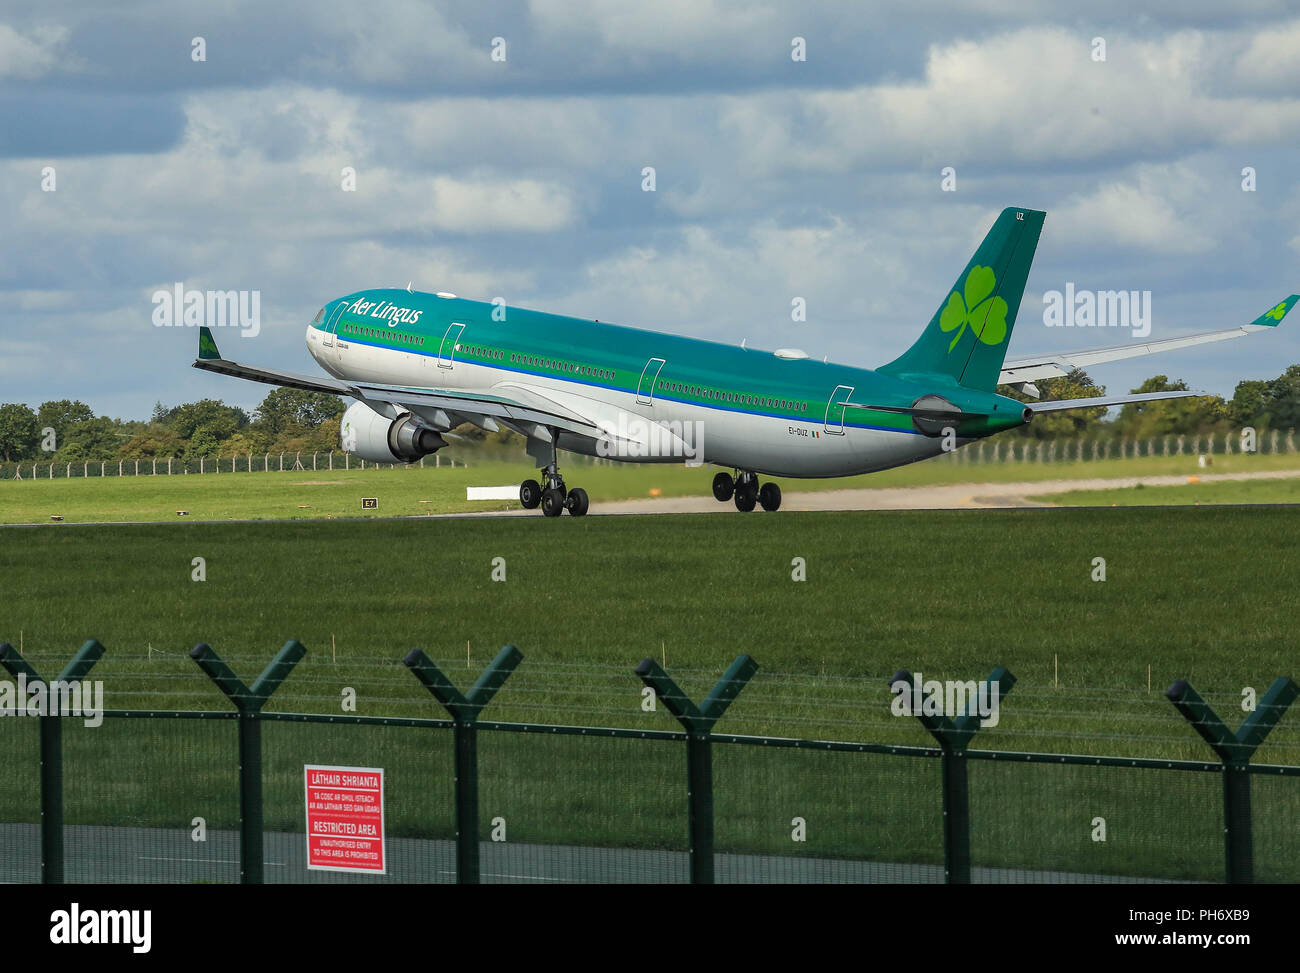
{"x": 770, "y": 497}
{"x": 723, "y": 487}
{"x": 577, "y": 502}
{"x": 552, "y": 502}
{"x": 530, "y": 494}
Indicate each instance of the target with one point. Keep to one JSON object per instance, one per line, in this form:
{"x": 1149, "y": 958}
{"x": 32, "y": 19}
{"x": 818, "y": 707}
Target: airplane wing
{"x": 1018, "y": 371}
{"x": 531, "y": 415}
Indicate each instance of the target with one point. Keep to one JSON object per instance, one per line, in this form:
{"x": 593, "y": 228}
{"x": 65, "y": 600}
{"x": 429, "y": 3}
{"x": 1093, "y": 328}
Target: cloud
{"x": 35, "y": 54}
{"x": 1030, "y": 97}
{"x": 1156, "y": 211}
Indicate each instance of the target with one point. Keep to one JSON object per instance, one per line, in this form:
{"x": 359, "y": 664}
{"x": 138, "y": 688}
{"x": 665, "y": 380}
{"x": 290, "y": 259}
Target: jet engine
{"x": 369, "y": 435}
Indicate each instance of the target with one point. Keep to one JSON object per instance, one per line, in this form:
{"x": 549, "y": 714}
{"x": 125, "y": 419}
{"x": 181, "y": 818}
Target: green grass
{"x": 1220, "y": 492}
{"x": 413, "y": 491}
{"x": 1199, "y": 593}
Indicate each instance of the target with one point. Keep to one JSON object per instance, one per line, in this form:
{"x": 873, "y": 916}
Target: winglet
{"x": 208, "y": 346}
{"x": 1274, "y": 315}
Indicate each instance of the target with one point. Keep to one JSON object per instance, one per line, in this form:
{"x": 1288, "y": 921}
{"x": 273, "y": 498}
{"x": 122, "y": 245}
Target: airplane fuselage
{"x": 780, "y": 414}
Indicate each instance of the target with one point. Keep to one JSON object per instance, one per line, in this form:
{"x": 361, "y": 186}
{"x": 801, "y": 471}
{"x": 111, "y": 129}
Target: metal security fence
{"x": 218, "y": 796}
{"x": 182, "y": 466}
{"x": 1001, "y": 450}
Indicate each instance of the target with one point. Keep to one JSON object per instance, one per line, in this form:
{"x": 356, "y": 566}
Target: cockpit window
{"x": 320, "y": 316}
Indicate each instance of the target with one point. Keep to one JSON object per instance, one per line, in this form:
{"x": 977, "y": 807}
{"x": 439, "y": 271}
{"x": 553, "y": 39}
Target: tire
{"x": 723, "y": 487}
{"x": 770, "y": 497}
{"x": 552, "y": 502}
{"x": 530, "y": 494}
{"x": 578, "y": 502}
{"x": 745, "y": 498}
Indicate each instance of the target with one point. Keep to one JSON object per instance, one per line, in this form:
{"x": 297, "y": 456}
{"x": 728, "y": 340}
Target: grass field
{"x": 1199, "y": 593}
{"x": 413, "y": 491}
{"x": 1221, "y": 492}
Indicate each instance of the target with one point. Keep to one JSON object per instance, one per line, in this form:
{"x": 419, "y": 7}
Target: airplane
{"x": 418, "y": 365}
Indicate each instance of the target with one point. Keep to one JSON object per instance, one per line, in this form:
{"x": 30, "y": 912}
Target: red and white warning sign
{"x": 345, "y": 819}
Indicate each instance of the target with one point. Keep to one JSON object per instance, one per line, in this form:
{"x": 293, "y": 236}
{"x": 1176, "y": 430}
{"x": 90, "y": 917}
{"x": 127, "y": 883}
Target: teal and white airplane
{"x": 421, "y": 364}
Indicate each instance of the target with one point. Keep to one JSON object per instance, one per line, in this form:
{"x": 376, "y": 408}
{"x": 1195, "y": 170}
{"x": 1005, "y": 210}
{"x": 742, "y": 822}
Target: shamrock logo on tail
{"x": 1278, "y": 312}
{"x": 987, "y": 316}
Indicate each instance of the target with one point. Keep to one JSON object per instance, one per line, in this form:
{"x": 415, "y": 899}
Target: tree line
{"x": 294, "y": 420}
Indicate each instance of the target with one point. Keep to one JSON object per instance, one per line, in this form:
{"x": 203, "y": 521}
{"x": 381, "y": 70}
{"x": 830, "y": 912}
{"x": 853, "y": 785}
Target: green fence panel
{"x": 794, "y": 815}
{"x": 419, "y": 807}
{"x": 20, "y": 800}
{"x": 132, "y": 791}
{"x": 1276, "y": 801}
{"x": 581, "y": 807}
{"x": 1042, "y": 821}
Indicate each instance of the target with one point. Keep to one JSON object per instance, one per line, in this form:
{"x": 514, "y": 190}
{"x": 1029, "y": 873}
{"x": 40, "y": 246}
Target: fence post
{"x": 51, "y": 729}
{"x": 464, "y": 709}
{"x": 1235, "y": 750}
{"x": 698, "y": 723}
{"x": 248, "y": 701}
{"x": 953, "y": 736}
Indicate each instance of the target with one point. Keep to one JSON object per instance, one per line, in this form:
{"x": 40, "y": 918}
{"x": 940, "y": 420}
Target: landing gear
{"x": 746, "y": 492}
{"x": 554, "y": 498}
{"x": 530, "y": 494}
{"x": 552, "y": 502}
{"x": 578, "y": 502}
{"x": 723, "y": 487}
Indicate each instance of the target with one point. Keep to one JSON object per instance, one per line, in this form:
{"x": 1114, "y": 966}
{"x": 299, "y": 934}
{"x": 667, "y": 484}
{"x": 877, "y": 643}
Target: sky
{"x": 499, "y": 150}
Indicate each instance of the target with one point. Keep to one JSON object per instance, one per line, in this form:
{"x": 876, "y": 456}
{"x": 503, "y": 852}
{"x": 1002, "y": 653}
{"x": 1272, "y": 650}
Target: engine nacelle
{"x": 367, "y": 434}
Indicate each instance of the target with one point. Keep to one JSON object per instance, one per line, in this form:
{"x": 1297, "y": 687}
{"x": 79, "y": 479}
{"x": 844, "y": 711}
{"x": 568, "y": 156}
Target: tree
{"x": 1172, "y": 417}
{"x": 19, "y": 433}
{"x": 220, "y": 420}
{"x": 156, "y": 441}
{"x": 1249, "y": 405}
{"x": 296, "y": 410}
{"x": 97, "y": 438}
{"x": 61, "y": 414}
{"x": 1283, "y": 399}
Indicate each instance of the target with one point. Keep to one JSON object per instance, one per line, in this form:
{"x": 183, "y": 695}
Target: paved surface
{"x": 942, "y": 497}
{"x": 144, "y": 855}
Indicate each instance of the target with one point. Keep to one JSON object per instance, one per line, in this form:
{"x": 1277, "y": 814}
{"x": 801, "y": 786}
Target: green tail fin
{"x": 966, "y": 340}
{"x": 207, "y": 346}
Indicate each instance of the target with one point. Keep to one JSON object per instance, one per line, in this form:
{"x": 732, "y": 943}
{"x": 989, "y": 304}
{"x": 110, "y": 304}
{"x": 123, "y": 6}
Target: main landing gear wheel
{"x": 770, "y": 497}
{"x": 723, "y": 487}
{"x": 577, "y": 502}
{"x": 746, "y": 494}
{"x": 530, "y": 494}
{"x": 552, "y": 502}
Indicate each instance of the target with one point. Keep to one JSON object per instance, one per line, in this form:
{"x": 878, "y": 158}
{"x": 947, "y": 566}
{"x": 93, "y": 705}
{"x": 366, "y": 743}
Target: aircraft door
{"x": 450, "y": 341}
{"x": 835, "y": 409}
{"x": 645, "y": 388}
{"x": 330, "y": 339}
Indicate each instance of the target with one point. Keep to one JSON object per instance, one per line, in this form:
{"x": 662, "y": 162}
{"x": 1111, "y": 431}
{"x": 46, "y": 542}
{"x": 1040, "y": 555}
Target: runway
{"x": 956, "y": 496}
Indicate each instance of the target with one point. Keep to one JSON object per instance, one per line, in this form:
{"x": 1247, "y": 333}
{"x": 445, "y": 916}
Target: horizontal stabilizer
{"x": 1060, "y": 405}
